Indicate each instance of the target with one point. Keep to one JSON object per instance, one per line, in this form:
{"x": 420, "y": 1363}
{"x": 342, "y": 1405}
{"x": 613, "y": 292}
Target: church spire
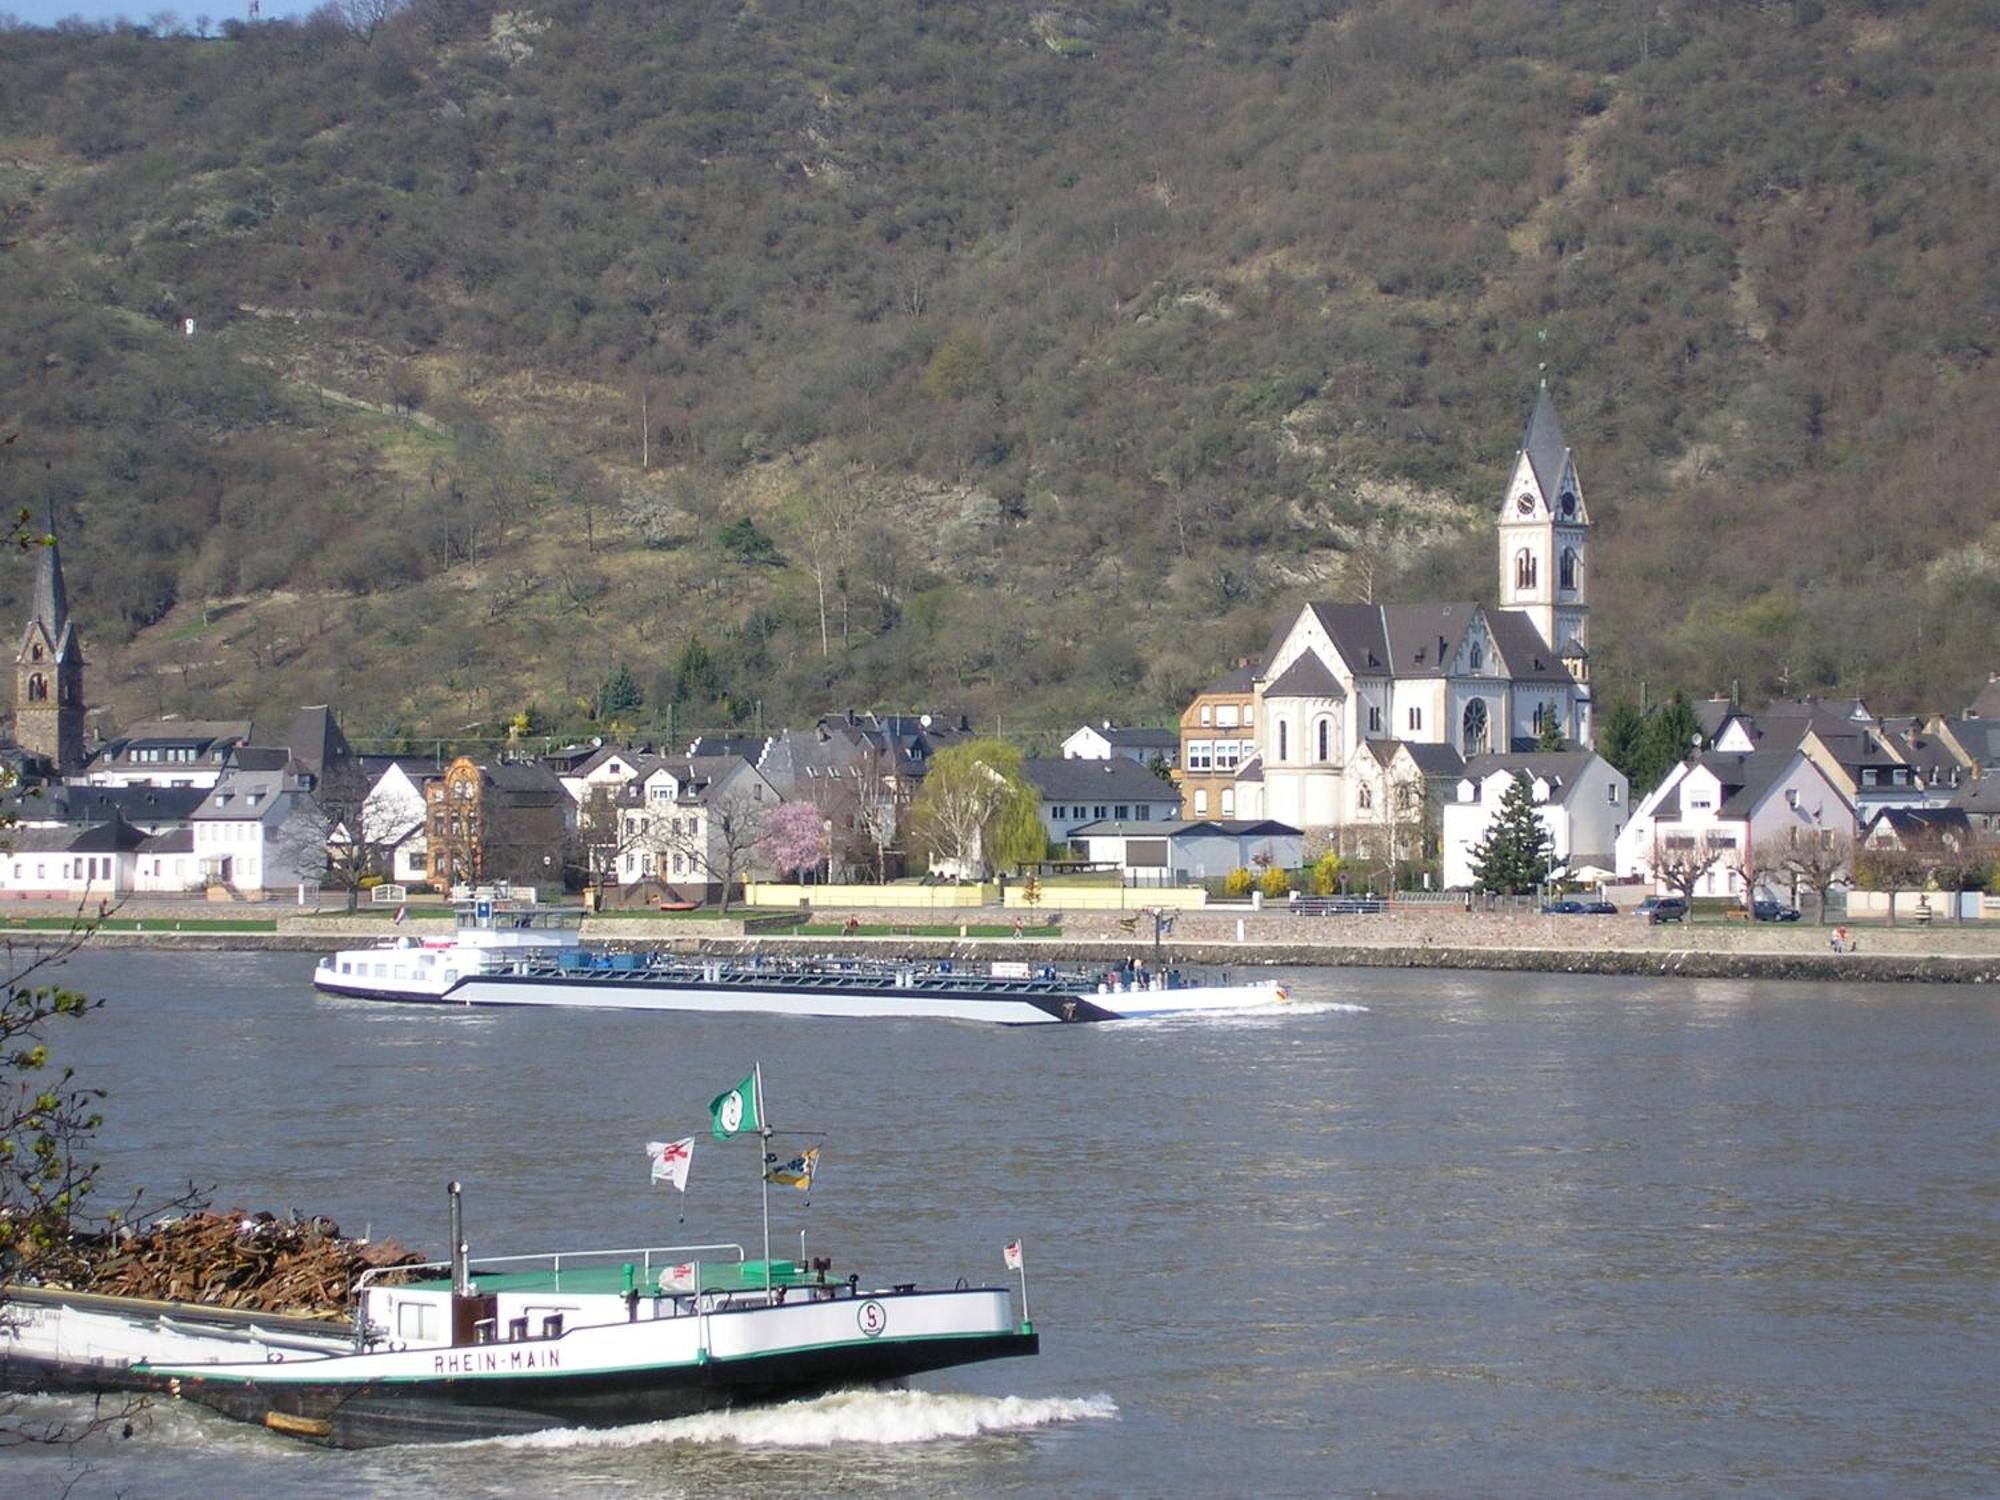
{"x": 51, "y": 598}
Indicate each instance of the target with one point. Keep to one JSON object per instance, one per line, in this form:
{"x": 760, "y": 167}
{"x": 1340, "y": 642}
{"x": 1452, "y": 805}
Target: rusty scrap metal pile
{"x": 254, "y": 1261}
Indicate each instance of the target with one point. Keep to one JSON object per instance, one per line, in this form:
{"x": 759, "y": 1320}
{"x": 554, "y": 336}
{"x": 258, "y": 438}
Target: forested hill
{"x": 799, "y": 354}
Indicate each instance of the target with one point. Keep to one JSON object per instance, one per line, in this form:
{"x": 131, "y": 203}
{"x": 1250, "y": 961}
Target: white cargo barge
{"x": 507, "y": 952}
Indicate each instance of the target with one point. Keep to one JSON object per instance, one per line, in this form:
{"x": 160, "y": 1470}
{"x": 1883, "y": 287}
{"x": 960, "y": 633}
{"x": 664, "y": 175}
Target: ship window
{"x": 417, "y": 1320}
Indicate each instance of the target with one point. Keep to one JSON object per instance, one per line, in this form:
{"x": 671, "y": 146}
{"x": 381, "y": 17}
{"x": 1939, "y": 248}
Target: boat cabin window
{"x": 417, "y": 1320}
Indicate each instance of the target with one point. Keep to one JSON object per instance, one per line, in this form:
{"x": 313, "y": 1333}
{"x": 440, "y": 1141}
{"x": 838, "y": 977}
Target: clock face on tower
{"x": 1525, "y": 505}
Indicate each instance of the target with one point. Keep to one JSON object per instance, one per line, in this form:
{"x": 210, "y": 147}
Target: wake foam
{"x": 845, "y": 1418}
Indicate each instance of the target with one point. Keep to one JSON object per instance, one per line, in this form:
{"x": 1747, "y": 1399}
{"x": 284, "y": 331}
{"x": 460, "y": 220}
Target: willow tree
{"x": 977, "y": 810}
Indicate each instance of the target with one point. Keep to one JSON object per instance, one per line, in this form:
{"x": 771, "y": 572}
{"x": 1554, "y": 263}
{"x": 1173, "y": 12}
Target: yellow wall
{"x": 1107, "y": 898}
{"x": 761, "y": 893}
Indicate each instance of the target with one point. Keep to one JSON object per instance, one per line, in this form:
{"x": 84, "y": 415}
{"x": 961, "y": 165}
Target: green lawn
{"x": 142, "y": 924}
{"x": 907, "y": 929}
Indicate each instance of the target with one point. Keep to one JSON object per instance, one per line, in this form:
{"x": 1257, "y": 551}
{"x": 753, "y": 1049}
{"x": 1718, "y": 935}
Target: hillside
{"x": 1023, "y": 361}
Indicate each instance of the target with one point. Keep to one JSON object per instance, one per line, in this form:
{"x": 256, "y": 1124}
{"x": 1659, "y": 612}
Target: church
{"x": 1352, "y": 700}
{"x": 48, "y": 677}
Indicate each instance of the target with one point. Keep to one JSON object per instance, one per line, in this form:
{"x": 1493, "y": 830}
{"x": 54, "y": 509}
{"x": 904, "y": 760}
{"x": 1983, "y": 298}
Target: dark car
{"x": 1601, "y": 908}
{"x": 1773, "y": 911}
{"x": 1563, "y": 909}
{"x": 1657, "y": 909}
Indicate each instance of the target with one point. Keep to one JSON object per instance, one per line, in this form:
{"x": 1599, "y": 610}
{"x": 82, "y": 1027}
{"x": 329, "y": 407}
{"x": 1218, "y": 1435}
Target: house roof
{"x": 1068, "y": 780}
{"x": 1140, "y": 739}
{"x": 111, "y": 836}
{"x": 1523, "y": 652}
{"x": 1190, "y": 828}
{"x": 172, "y": 841}
{"x": 1922, "y": 825}
{"x": 1561, "y": 769}
{"x": 1981, "y": 796}
{"x": 80, "y": 803}
{"x": 1307, "y": 677}
{"x": 315, "y": 740}
{"x": 1235, "y": 680}
{"x": 1987, "y": 704}
{"x": 1432, "y": 760}
{"x": 1745, "y": 779}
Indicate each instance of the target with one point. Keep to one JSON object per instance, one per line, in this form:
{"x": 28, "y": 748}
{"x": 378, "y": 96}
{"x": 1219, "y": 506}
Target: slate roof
{"x": 1545, "y": 445}
{"x": 112, "y": 836}
{"x": 1307, "y": 677}
{"x": 316, "y": 742}
{"x": 1923, "y": 825}
{"x": 1987, "y": 704}
{"x": 1561, "y": 769}
{"x": 1191, "y": 828}
{"x": 1524, "y": 655}
{"x": 1141, "y": 739}
{"x": 91, "y": 804}
{"x": 173, "y": 841}
{"x": 1235, "y": 680}
{"x": 1114, "y": 780}
{"x": 1746, "y": 779}
{"x": 1432, "y": 760}
{"x": 1981, "y": 796}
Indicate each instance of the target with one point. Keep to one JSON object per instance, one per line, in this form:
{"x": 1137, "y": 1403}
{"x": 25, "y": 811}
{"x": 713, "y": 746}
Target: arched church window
{"x": 1364, "y": 797}
{"x": 1572, "y": 569}
{"x": 1524, "y": 571}
{"x": 1478, "y": 656}
{"x": 36, "y": 654}
{"x": 1474, "y": 727}
{"x": 1284, "y": 740}
{"x": 1325, "y": 736}
{"x": 38, "y": 688}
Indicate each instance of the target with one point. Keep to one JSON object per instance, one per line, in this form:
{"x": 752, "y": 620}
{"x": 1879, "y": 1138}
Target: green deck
{"x": 615, "y": 1280}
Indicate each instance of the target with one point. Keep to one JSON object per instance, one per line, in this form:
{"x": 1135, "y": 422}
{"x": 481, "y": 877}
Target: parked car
{"x": 1773, "y": 911}
{"x": 1563, "y": 909}
{"x": 1601, "y": 908}
{"x": 1657, "y": 909}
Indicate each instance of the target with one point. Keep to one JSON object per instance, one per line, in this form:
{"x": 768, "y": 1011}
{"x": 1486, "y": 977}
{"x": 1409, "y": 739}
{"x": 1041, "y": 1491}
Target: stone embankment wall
{"x": 1431, "y": 938}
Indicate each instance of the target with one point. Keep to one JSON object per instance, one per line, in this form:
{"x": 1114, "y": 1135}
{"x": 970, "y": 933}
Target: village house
{"x": 1732, "y": 818}
{"x": 1104, "y": 741}
{"x": 1077, "y": 793}
{"x": 489, "y": 823}
{"x": 258, "y": 833}
{"x": 1580, "y": 798}
{"x": 687, "y": 827}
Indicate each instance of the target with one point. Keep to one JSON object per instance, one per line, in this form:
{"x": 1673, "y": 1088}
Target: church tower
{"x": 1545, "y": 540}
{"x": 48, "y": 672}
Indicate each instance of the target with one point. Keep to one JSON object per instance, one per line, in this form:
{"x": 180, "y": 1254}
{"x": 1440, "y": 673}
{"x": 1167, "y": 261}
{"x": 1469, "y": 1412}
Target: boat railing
{"x": 646, "y": 1255}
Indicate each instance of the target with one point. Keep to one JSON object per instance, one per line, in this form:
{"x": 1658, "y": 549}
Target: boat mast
{"x": 460, "y": 1275}
{"x": 764, "y": 1171}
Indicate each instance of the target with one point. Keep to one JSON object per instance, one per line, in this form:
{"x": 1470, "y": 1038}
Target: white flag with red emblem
{"x": 1013, "y": 1254}
{"x": 671, "y": 1160}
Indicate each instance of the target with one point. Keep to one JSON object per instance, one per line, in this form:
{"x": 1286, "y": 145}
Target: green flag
{"x": 737, "y": 1109}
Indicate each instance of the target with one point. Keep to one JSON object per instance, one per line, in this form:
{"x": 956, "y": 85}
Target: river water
{"x": 1489, "y": 1235}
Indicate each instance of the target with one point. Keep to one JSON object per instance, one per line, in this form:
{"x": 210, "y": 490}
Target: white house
{"x": 1078, "y": 792}
{"x": 1580, "y": 798}
{"x": 77, "y": 863}
{"x": 394, "y": 821}
{"x": 259, "y": 832}
{"x": 169, "y": 752}
{"x": 1103, "y": 742}
{"x": 1172, "y": 853}
{"x": 688, "y": 823}
{"x": 1729, "y": 814}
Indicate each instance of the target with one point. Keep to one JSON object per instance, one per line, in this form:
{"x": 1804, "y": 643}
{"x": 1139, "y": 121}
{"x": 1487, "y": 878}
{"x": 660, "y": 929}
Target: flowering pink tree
{"x": 793, "y": 838}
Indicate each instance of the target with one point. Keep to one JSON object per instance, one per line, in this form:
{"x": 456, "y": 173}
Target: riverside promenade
{"x": 1423, "y": 938}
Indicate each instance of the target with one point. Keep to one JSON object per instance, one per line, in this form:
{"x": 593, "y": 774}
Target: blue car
{"x": 1773, "y": 911}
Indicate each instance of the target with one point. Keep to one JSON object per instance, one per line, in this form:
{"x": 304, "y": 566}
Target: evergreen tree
{"x": 1517, "y": 852}
{"x": 1622, "y": 740}
{"x": 1550, "y": 735}
{"x": 1670, "y": 735}
{"x": 620, "y": 694}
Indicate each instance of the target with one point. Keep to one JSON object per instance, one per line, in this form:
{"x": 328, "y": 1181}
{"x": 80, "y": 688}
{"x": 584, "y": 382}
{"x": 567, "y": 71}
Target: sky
{"x": 48, "y": 12}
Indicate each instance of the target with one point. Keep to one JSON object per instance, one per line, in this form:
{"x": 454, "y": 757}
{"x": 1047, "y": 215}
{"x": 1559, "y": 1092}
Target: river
{"x": 1418, "y": 1234}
